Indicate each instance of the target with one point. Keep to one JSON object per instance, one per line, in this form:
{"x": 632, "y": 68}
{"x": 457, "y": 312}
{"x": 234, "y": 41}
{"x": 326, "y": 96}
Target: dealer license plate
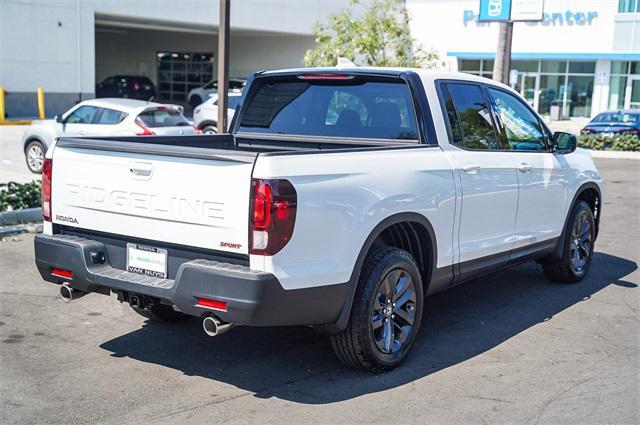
{"x": 147, "y": 260}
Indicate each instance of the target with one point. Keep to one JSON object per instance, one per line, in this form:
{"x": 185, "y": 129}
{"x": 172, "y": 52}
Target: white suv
{"x": 205, "y": 116}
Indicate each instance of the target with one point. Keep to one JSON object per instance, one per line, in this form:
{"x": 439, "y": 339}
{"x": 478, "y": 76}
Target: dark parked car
{"x": 128, "y": 86}
{"x": 614, "y": 123}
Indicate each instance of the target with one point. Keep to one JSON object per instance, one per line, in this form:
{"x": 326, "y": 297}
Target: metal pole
{"x": 502, "y": 64}
{"x": 223, "y": 65}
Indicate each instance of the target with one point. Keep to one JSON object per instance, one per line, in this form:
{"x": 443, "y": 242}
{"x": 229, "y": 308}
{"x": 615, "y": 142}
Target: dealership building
{"x": 583, "y": 57}
{"x": 68, "y": 46}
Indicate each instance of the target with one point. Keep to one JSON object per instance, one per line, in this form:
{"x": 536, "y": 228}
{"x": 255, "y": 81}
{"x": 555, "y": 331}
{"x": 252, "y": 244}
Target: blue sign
{"x": 494, "y": 10}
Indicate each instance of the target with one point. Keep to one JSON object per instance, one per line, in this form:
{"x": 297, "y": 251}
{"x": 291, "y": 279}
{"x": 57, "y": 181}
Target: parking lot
{"x": 508, "y": 348}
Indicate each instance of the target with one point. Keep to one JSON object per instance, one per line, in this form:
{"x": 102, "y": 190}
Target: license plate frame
{"x": 147, "y": 260}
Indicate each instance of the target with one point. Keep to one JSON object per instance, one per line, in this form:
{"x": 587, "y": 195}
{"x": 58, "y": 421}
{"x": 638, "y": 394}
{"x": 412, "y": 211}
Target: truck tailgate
{"x": 175, "y": 194}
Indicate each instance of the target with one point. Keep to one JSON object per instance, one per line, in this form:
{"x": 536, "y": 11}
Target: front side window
{"x": 82, "y": 115}
{"x": 519, "y": 125}
{"x": 110, "y": 116}
{"x": 351, "y": 107}
{"x": 474, "y": 118}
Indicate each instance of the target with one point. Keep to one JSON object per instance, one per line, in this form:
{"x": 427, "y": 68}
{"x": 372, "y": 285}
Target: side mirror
{"x": 59, "y": 119}
{"x": 564, "y": 143}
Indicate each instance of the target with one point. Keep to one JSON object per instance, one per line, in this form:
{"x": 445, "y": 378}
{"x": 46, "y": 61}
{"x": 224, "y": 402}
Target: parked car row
{"x": 104, "y": 117}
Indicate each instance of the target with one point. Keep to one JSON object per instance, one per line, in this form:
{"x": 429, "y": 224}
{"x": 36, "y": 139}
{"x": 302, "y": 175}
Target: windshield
{"x": 163, "y": 117}
{"x": 360, "y": 107}
{"x": 617, "y": 117}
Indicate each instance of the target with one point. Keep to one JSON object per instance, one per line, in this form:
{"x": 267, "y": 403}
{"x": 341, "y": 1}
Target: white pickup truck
{"x": 339, "y": 200}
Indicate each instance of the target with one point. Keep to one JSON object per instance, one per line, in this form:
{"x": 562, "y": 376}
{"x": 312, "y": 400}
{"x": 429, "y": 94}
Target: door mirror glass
{"x": 59, "y": 119}
{"x": 564, "y": 142}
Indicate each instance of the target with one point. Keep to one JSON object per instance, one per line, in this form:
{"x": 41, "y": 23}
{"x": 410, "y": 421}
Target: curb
{"x": 16, "y": 122}
{"x": 20, "y": 228}
{"x": 23, "y": 216}
{"x": 614, "y": 154}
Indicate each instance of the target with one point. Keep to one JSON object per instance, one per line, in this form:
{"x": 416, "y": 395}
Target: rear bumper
{"x": 253, "y": 298}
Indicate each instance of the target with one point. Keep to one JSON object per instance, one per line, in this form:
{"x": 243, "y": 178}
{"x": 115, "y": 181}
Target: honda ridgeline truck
{"x": 340, "y": 198}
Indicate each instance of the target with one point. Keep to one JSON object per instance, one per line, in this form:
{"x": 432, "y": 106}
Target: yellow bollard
{"x": 2, "y": 93}
{"x": 40, "y": 103}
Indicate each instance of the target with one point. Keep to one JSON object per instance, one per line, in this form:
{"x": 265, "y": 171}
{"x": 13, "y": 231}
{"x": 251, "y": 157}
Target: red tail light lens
{"x": 146, "y": 131}
{"x": 47, "y": 171}
{"x": 273, "y": 215}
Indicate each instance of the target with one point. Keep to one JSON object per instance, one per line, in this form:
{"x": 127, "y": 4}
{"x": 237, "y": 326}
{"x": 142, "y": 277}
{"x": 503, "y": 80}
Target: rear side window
{"x": 361, "y": 107}
{"x": 233, "y": 102}
{"x": 110, "y": 116}
{"x": 472, "y": 116}
{"x": 163, "y": 117}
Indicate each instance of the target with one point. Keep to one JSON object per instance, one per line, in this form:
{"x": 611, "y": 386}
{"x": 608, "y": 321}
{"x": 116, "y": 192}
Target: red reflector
{"x": 62, "y": 273}
{"x": 326, "y": 77}
{"x": 47, "y": 173}
{"x": 218, "y": 305}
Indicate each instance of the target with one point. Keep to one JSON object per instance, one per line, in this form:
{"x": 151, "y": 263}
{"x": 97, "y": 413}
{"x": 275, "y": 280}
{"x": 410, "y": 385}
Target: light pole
{"x": 223, "y": 65}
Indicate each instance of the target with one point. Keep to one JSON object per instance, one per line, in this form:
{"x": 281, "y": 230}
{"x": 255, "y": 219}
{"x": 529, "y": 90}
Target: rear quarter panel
{"x": 343, "y": 196}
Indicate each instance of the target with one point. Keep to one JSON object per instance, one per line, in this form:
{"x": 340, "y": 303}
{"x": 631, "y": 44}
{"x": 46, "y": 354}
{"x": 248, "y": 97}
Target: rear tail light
{"x": 136, "y": 86}
{"x": 47, "y": 172}
{"x": 273, "y": 215}
{"x": 198, "y": 131}
{"x": 327, "y": 76}
{"x": 146, "y": 131}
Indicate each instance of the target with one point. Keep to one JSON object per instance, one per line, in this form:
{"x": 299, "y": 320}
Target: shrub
{"x": 15, "y": 196}
{"x": 625, "y": 142}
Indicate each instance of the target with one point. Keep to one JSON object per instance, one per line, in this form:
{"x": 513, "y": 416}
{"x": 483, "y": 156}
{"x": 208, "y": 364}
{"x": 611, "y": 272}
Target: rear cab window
{"x": 354, "y": 107}
{"x": 163, "y": 117}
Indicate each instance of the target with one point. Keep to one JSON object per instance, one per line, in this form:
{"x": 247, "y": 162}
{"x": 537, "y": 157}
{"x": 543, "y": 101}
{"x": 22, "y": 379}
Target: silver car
{"x": 104, "y": 117}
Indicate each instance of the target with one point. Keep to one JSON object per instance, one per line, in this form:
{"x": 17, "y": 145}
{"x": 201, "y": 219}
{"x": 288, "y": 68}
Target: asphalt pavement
{"x": 509, "y": 348}
{"x": 13, "y": 166}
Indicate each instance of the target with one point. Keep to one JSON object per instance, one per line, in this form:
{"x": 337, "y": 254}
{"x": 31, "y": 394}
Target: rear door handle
{"x": 524, "y": 167}
{"x": 470, "y": 168}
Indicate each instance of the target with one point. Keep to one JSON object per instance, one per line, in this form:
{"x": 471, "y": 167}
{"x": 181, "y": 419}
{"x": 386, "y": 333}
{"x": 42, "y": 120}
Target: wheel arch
{"x": 409, "y": 231}
{"x": 590, "y": 193}
{"x": 205, "y": 123}
{"x": 33, "y": 138}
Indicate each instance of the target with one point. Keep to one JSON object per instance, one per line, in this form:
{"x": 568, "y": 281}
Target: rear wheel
{"x": 577, "y": 249}
{"x": 35, "y": 156}
{"x": 210, "y": 129}
{"x": 386, "y": 313}
{"x": 160, "y": 313}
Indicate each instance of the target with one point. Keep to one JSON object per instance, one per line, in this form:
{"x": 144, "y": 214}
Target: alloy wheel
{"x": 393, "y": 316}
{"x": 35, "y": 157}
{"x": 581, "y": 242}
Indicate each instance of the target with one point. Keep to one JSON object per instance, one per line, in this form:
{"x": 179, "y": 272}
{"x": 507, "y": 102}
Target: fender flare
{"x": 33, "y": 139}
{"x": 345, "y": 314}
{"x": 557, "y": 251}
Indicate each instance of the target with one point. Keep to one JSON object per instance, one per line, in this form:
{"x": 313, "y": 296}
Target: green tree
{"x": 379, "y": 37}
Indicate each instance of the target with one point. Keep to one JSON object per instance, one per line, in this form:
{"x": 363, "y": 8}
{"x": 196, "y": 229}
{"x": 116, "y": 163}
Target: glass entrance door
{"x": 632, "y": 94}
{"x": 530, "y": 89}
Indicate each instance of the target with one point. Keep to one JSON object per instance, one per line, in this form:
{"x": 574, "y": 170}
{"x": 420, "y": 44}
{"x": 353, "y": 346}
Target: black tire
{"x": 195, "y": 100}
{"x": 576, "y": 258}
{"x": 210, "y": 129}
{"x": 161, "y": 313}
{"x": 357, "y": 345}
{"x": 34, "y": 156}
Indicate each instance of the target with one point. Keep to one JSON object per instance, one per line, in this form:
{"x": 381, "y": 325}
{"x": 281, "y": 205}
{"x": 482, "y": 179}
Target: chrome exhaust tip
{"x": 214, "y": 326}
{"x": 68, "y": 293}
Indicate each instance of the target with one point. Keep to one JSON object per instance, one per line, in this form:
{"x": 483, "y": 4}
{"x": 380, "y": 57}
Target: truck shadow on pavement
{"x": 296, "y": 364}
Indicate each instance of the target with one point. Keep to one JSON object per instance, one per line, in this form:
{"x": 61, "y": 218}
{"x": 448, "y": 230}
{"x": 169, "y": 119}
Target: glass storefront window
{"x": 551, "y": 92}
{"x": 617, "y": 87}
{"x": 628, "y": 6}
{"x": 582, "y": 67}
{"x": 525, "y": 66}
{"x": 554, "y": 67}
{"x": 619, "y": 67}
{"x": 467, "y": 65}
{"x": 635, "y": 68}
{"x": 579, "y": 96}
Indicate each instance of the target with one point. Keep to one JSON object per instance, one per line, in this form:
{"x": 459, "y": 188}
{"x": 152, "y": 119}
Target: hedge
{"x": 627, "y": 142}
{"x": 15, "y": 196}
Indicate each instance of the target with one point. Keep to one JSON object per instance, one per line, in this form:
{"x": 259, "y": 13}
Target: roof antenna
{"x": 345, "y": 63}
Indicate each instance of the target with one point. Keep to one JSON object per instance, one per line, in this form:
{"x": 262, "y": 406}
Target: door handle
{"x": 470, "y": 168}
{"x": 524, "y": 167}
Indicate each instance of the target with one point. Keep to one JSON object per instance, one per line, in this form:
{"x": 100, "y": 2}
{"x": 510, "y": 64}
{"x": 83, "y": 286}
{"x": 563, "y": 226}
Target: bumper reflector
{"x": 215, "y": 304}
{"x": 67, "y": 274}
